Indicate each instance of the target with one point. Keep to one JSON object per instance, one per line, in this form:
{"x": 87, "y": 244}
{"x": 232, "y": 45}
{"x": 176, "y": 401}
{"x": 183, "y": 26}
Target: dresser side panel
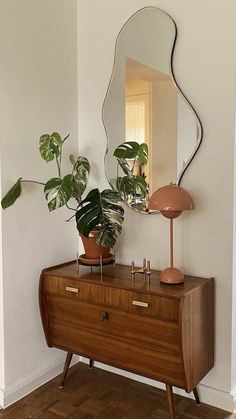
{"x": 42, "y": 294}
{"x": 198, "y": 333}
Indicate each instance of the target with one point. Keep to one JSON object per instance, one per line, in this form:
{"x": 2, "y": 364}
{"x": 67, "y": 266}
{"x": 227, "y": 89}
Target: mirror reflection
{"x": 152, "y": 130}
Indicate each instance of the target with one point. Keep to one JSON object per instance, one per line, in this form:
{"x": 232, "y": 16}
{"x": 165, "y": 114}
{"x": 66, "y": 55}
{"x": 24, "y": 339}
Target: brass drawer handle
{"x": 71, "y": 289}
{"x": 139, "y": 303}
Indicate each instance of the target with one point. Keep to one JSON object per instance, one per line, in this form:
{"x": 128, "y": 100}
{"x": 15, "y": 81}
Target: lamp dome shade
{"x": 171, "y": 198}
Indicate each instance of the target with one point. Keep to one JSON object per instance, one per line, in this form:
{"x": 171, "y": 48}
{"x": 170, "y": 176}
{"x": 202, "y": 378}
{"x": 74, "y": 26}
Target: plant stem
{"x": 78, "y": 199}
{"x": 58, "y": 166}
{"x": 117, "y": 177}
{"x": 73, "y": 209}
{"x": 65, "y": 138}
{"x": 60, "y": 156}
{"x": 70, "y": 218}
{"x": 33, "y": 181}
{"x": 132, "y": 170}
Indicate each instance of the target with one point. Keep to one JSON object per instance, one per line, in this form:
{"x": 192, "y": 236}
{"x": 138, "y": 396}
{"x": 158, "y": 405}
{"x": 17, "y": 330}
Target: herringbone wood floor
{"x": 97, "y": 394}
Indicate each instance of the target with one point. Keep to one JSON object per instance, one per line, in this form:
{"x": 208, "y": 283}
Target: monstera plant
{"x": 98, "y": 210}
{"x": 132, "y": 157}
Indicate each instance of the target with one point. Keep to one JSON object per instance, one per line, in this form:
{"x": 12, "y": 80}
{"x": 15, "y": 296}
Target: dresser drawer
{"x": 152, "y": 305}
{"x": 75, "y": 289}
{"x": 140, "y": 330}
{"x": 143, "y": 330}
{"x": 74, "y": 312}
{"x": 162, "y": 366}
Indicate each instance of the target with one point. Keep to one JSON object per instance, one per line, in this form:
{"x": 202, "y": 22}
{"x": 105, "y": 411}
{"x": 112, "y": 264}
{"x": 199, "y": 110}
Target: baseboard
{"x": 214, "y": 397}
{"x": 1, "y": 398}
{"x": 234, "y": 398}
{"x": 38, "y": 377}
{"x": 32, "y": 381}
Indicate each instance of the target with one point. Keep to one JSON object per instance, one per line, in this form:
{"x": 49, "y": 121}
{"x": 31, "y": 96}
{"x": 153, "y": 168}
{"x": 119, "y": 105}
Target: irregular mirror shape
{"x": 145, "y": 113}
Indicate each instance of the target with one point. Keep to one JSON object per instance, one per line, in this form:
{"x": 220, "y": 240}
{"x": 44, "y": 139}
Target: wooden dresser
{"x": 159, "y": 331}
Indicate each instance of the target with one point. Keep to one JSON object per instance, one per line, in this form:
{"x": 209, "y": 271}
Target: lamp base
{"x": 171, "y": 276}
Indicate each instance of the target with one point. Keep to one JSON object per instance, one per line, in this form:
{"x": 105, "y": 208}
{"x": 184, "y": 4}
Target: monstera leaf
{"x": 80, "y": 173}
{"x": 140, "y": 186}
{"x": 12, "y": 195}
{"x": 58, "y": 192}
{"x": 131, "y": 155}
{"x": 133, "y": 186}
{"x": 101, "y": 209}
{"x": 127, "y": 150}
{"x": 125, "y": 186}
{"x": 80, "y": 164}
{"x": 50, "y": 146}
{"x": 142, "y": 154}
{"x": 132, "y": 150}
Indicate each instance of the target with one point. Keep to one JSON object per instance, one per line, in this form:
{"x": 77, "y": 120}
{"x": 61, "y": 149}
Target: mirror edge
{"x": 199, "y": 124}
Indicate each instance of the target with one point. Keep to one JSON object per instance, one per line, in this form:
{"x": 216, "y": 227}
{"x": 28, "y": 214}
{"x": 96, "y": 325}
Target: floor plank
{"x": 97, "y": 394}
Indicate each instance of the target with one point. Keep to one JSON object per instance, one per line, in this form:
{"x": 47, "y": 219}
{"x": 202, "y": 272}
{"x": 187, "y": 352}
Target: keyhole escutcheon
{"x": 105, "y": 316}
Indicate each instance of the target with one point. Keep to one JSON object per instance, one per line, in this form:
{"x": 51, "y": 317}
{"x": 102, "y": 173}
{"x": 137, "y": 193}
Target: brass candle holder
{"x": 145, "y": 270}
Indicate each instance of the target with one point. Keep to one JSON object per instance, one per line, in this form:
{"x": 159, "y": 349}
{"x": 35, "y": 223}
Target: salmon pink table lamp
{"x": 171, "y": 201}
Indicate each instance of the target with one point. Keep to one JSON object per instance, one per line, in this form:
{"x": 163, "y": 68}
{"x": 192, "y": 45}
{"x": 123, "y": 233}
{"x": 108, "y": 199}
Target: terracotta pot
{"x": 92, "y": 249}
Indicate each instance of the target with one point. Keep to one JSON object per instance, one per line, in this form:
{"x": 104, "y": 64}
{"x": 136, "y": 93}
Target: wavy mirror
{"x": 152, "y": 130}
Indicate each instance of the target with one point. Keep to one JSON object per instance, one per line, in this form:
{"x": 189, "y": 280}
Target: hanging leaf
{"x": 134, "y": 186}
{"x": 101, "y": 209}
{"x": 50, "y": 146}
{"x": 78, "y": 186}
{"x": 89, "y": 214}
{"x": 127, "y": 150}
{"x": 125, "y": 166}
{"x": 80, "y": 164}
{"x": 125, "y": 186}
{"x": 142, "y": 154}
{"x": 12, "y": 195}
{"x": 73, "y": 158}
{"x": 58, "y": 192}
{"x": 140, "y": 186}
{"x": 80, "y": 173}
{"x": 132, "y": 150}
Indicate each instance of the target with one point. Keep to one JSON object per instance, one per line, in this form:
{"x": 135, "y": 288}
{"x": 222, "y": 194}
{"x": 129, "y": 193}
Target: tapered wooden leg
{"x": 195, "y": 392}
{"x": 65, "y": 369}
{"x": 170, "y": 401}
{"x": 91, "y": 363}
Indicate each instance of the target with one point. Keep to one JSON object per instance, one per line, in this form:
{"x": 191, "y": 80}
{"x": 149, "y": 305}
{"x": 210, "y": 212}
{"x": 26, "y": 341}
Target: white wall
{"x": 204, "y": 65}
{"x": 233, "y": 354}
{"x": 2, "y": 366}
{"x": 187, "y": 133}
{"x": 38, "y": 95}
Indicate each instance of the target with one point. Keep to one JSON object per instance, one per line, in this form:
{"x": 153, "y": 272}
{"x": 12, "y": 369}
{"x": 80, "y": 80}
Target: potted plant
{"x": 132, "y": 158}
{"x": 97, "y": 215}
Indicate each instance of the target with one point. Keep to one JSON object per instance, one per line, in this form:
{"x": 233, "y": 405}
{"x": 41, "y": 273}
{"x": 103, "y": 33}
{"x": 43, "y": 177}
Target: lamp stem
{"x": 171, "y": 242}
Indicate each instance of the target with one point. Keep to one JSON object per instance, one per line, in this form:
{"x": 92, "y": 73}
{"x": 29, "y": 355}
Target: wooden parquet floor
{"x": 97, "y": 394}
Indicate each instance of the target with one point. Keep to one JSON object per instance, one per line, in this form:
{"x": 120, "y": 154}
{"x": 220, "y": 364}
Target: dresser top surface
{"x": 119, "y": 276}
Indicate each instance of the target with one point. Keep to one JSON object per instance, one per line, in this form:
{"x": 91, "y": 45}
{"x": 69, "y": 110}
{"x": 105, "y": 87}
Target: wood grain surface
{"x": 159, "y": 331}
